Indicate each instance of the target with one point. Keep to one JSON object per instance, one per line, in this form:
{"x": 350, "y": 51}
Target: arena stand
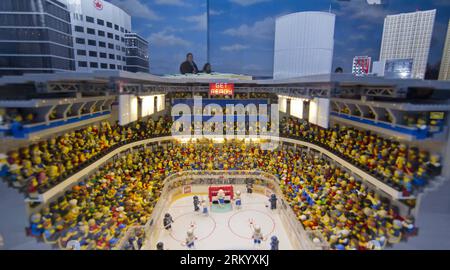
{"x": 406, "y": 169}
{"x": 58, "y": 211}
{"x": 115, "y": 199}
{"x": 38, "y": 167}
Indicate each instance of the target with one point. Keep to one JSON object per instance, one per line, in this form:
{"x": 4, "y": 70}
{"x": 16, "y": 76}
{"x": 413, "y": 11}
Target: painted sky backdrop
{"x": 242, "y": 31}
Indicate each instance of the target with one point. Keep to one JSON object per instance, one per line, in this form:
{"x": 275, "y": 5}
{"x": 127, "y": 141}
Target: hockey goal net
{"x": 213, "y": 190}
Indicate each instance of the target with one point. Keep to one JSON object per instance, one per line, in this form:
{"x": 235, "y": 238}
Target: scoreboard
{"x": 221, "y": 89}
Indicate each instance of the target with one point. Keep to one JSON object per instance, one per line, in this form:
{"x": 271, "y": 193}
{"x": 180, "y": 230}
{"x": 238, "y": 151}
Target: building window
{"x": 112, "y": 66}
{"x": 102, "y": 55}
{"x": 100, "y": 22}
{"x": 118, "y": 48}
{"x": 118, "y": 57}
{"x": 80, "y": 41}
{"x": 89, "y": 19}
{"x": 116, "y": 27}
{"x": 104, "y": 66}
{"x": 92, "y": 42}
{"x": 101, "y": 33}
{"x": 117, "y": 37}
{"x": 111, "y": 46}
{"x": 92, "y": 54}
{"x": 111, "y": 56}
{"x": 108, "y": 24}
{"x": 93, "y": 65}
{"x": 81, "y": 52}
{"x": 119, "y": 67}
{"x": 102, "y": 44}
{"x": 90, "y": 31}
{"x": 110, "y": 35}
{"x": 79, "y": 29}
{"x": 82, "y": 63}
{"x": 122, "y": 39}
{"x": 122, "y": 30}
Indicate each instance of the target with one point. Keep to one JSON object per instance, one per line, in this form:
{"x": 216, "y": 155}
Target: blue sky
{"x": 242, "y": 31}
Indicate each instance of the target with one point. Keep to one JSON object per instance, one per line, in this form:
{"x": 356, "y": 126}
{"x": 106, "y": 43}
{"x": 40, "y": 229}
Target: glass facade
{"x": 35, "y": 49}
{"x": 137, "y": 55}
{"x": 51, "y": 27}
{"x": 36, "y": 62}
{"x": 35, "y": 34}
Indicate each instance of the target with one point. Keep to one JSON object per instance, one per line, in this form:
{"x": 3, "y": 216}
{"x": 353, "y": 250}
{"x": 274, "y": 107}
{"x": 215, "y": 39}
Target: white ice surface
{"x": 225, "y": 231}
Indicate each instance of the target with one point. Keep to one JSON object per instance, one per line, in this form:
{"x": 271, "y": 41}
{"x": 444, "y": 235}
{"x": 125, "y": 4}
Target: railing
{"x": 27, "y": 130}
{"x": 219, "y": 177}
{"x": 414, "y": 132}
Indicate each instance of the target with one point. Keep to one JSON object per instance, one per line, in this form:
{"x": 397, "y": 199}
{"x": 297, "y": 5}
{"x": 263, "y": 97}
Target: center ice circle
{"x": 239, "y": 223}
{"x": 204, "y": 226}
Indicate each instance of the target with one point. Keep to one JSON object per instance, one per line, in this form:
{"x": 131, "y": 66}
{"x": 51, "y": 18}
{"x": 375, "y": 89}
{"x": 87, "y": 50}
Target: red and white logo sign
{"x": 221, "y": 89}
{"x": 98, "y": 4}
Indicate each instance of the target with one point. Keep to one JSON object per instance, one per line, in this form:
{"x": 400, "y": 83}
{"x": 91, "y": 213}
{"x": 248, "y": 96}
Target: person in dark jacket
{"x": 207, "y": 68}
{"x": 189, "y": 65}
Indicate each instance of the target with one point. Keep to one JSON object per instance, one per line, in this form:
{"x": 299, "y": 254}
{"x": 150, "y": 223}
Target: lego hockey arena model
{"x": 115, "y": 160}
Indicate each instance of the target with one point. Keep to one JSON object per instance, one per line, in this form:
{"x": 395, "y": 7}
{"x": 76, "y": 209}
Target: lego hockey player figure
{"x": 274, "y": 243}
{"x": 196, "y": 203}
{"x": 249, "y": 187}
{"x": 237, "y": 200}
{"x": 168, "y": 220}
{"x": 160, "y": 246}
{"x": 204, "y": 208}
{"x": 273, "y": 202}
{"x": 257, "y": 234}
{"x": 221, "y": 197}
{"x": 190, "y": 239}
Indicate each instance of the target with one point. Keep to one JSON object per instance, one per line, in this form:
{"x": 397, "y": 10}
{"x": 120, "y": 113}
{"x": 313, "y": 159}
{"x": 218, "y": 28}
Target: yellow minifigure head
{"x": 26, "y": 164}
{"x": 435, "y": 159}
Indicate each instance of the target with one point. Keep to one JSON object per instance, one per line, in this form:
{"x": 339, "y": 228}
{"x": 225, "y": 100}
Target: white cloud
{"x": 360, "y": 10}
{"x": 368, "y": 51}
{"x": 441, "y": 3}
{"x": 339, "y": 42}
{"x": 260, "y": 29}
{"x": 214, "y": 12}
{"x": 163, "y": 38}
{"x": 178, "y": 3}
{"x": 364, "y": 27}
{"x": 253, "y": 67}
{"x": 374, "y": 2}
{"x": 170, "y": 29}
{"x": 136, "y": 9}
{"x": 234, "y": 48}
{"x": 246, "y": 3}
{"x": 357, "y": 37}
{"x": 199, "y": 21}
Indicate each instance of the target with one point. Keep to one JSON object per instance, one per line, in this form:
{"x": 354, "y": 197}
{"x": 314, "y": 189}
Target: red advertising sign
{"x": 361, "y": 65}
{"x": 221, "y": 89}
{"x": 364, "y": 65}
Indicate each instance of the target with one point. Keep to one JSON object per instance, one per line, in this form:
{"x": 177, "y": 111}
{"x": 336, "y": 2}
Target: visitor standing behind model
{"x": 189, "y": 65}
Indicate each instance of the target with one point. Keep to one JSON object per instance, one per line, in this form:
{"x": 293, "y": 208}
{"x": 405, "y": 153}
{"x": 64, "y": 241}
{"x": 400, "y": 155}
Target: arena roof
{"x": 333, "y": 84}
{"x": 106, "y": 76}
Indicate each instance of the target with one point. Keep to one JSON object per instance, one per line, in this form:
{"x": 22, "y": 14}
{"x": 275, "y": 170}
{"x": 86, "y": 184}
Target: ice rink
{"x": 226, "y": 230}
